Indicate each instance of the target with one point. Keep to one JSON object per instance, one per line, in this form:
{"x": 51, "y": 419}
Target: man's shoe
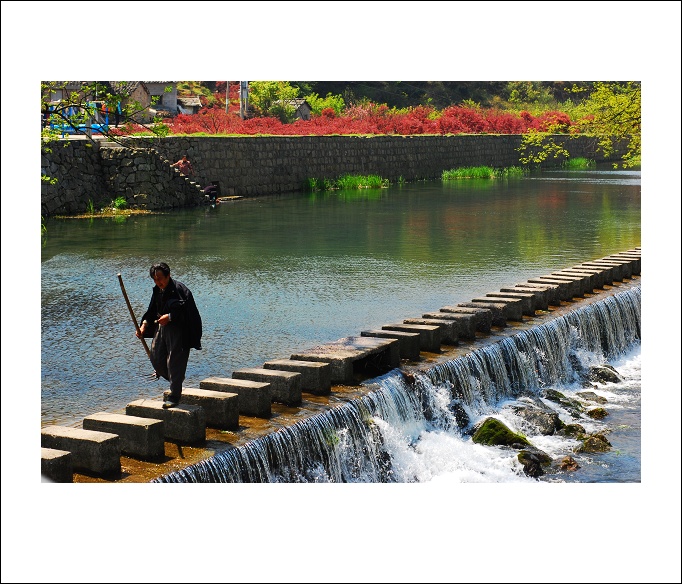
{"x": 170, "y": 404}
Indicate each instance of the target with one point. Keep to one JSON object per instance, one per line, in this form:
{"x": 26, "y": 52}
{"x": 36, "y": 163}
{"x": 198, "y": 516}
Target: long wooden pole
{"x": 132, "y": 315}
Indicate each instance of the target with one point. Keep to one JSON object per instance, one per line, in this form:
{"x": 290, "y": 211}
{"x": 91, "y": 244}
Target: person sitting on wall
{"x": 184, "y": 165}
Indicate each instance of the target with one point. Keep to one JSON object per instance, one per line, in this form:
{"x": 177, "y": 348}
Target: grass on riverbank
{"x": 579, "y": 162}
{"x": 487, "y": 172}
{"x": 346, "y": 182}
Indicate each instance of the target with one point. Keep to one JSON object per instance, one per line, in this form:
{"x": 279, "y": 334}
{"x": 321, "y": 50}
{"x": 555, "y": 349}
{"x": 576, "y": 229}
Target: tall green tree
{"x": 270, "y": 98}
{"x": 613, "y": 113}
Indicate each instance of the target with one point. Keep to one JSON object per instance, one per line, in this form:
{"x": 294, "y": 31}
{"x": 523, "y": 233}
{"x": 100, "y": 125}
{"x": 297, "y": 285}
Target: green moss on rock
{"x": 494, "y": 433}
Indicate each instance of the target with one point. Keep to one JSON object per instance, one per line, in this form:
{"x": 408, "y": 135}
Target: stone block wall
{"x": 253, "y": 165}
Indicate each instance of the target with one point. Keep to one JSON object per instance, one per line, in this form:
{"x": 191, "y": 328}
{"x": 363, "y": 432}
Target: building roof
{"x": 190, "y": 101}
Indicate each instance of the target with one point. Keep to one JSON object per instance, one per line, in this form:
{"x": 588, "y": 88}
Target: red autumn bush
{"x": 364, "y": 119}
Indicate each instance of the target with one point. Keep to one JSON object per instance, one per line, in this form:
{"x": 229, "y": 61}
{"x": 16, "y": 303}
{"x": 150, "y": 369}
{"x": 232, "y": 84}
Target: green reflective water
{"x": 275, "y": 275}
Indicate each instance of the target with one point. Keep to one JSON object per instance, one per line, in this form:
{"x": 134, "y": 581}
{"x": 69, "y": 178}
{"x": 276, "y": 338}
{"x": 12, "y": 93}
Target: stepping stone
{"x": 94, "y": 452}
{"x": 540, "y": 297}
{"x": 221, "y": 407}
{"x": 408, "y": 342}
{"x": 253, "y": 398}
{"x": 584, "y": 282}
{"x": 482, "y": 316}
{"x": 56, "y": 465}
{"x": 496, "y": 308}
{"x": 286, "y": 385}
{"x": 429, "y": 335}
{"x": 567, "y": 288}
{"x": 316, "y": 377}
{"x": 184, "y": 423}
{"x": 448, "y": 332}
{"x": 140, "y": 437}
{"x": 513, "y": 307}
{"x": 600, "y": 276}
{"x": 465, "y": 324}
{"x": 527, "y": 300}
{"x": 351, "y": 355}
{"x": 552, "y": 291}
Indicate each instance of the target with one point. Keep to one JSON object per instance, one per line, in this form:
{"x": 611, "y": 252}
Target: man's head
{"x": 160, "y": 273}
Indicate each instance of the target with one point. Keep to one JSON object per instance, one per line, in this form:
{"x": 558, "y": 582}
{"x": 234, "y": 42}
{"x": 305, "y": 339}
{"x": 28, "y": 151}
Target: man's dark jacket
{"x": 176, "y": 300}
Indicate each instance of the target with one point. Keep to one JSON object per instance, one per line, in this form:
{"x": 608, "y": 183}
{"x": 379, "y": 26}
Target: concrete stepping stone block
{"x": 448, "y": 332}
{"x": 286, "y": 385}
{"x": 185, "y": 423}
{"x": 56, "y": 465}
{"x": 140, "y": 437}
{"x": 465, "y": 324}
{"x": 253, "y": 397}
{"x": 483, "y": 317}
{"x": 407, "y": 342}
{"x": 316, "y": 377}
{"x": 221, "y": 407}
{"x": 513, "y": 307}
{"x": 429, "y": 334}
{"x": 91, "y": 451}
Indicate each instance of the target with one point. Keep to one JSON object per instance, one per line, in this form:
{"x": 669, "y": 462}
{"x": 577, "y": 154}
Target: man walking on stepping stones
{"x": 174, "y": 323}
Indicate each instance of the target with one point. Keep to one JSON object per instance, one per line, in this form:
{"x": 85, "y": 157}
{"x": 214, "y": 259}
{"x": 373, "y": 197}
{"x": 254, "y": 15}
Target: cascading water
{"x": 416, "y": 427}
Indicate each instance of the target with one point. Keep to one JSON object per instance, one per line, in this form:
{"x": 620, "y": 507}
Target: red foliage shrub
{"x": 367, "y": 119}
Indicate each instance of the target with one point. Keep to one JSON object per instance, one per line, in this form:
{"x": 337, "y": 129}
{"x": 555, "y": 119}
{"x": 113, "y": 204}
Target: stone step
{"x": 286, "y": 385}
{"x": 483, "y": 317}
{"x": 448, "y": 328}
{"x": 567, "y": 288}
{"x": 540, "y": 300}
{"x": 429, "y": 335}
{"x": 221, "y": 407}
{"x": 316, "y": 377}
{"x": 513, "y": 307}
{"x": 592, "y": 279}
{"x": 407, "y": 342}
{"x": 91, "y": 451}
{"x": 584, "y": 282}
{"x": 528, "y": 301}
{"x": 140, "y": 437}
{"x": 625, "y": 263}
{"x": 254, "y": 398}
{"x": 355, "y": 356}
{"x": 600, "y": 276}
{"x": 56, "y": 465}
{"x": 496, "y": 308}
{"x": 552, "y": 291}
{"x": 465, "y": 324}
{"x": 615, "y": 270}
{"x": 185, "y": 423}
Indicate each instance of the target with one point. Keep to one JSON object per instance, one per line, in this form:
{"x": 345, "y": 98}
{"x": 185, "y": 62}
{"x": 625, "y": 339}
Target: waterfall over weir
{"x": 410, "y": 427}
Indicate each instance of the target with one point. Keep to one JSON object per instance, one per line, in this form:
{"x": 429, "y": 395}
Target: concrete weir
{"x": 148, "y": 441}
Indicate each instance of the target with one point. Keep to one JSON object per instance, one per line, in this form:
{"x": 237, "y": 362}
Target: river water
{"x": 275, "y": 275}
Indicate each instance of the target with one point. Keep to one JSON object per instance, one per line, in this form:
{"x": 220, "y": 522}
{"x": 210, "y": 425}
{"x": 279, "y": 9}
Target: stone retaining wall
{"x": 250, "y": 166}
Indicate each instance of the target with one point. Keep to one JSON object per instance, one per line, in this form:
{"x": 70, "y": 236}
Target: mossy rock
{"x": 597, "y": 413}
{"x": 595, "y": 443}
{"x": 573, "y": 430}
{"x": 494, "y": 433}
{"x": 591, "y": 396}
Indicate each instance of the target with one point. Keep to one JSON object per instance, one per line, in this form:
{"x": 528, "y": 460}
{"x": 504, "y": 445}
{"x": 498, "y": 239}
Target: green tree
{"x": 317, "y": 103}
{"x": 270, "y": 98}
{"x": 613, "y": 113}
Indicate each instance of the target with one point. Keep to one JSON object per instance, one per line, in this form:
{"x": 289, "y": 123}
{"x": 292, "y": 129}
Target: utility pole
{"x": 243, "y": 98}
